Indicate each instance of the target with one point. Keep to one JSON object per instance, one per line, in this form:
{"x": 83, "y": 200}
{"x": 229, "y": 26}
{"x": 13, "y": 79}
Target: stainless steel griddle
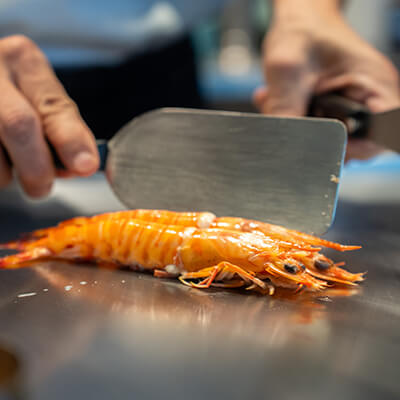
{"x": 80, "y": 332}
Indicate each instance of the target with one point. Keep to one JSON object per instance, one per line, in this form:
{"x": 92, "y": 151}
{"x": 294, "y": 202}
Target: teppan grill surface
{"x": 77, "y": 331}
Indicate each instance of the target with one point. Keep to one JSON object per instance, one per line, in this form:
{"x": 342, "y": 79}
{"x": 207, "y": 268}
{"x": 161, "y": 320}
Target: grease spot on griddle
{"x": 30, "y": 294}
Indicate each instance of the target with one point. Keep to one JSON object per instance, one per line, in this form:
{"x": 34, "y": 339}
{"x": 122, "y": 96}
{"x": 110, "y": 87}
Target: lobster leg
{"x": 203, "y": 273}
{"x": 211, "y": 273}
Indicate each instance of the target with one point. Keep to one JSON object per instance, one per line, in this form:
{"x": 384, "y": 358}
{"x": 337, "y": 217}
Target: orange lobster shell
{"x": 199, "y": 248}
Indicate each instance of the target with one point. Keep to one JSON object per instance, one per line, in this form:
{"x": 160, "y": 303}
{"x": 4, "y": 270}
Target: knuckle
{"x": 16, "y": 46}
{"x": 19, "y": 125}
{"x": 51, "y": 104}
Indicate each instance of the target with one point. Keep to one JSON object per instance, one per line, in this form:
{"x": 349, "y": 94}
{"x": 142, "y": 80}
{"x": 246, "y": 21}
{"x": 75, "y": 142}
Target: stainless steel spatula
{"x": 282, "y": 170}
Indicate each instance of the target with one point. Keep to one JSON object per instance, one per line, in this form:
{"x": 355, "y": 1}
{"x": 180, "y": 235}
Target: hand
{"x": 312, "y": 53}
{"x": 35, "y": 107}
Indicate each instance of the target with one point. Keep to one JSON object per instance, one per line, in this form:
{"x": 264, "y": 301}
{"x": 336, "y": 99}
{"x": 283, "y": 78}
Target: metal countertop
{"x": 81, "y": 332}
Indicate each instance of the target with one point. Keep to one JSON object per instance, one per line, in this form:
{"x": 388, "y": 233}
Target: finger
{"x": 290, "y": 78}
{"x": 379, "y": 104}
{"x": 5, "y": 170}
{"x": 355, "y": 86}
{"x": 363, "y": 89}
{"x": 289, "y": 94}
{"x": 260, "y": 97}
{"x": 61, "y": 121}
{"x": 21, "y": 135}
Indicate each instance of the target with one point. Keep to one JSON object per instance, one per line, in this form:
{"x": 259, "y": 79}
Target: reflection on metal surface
{"x": 167, "y": 300}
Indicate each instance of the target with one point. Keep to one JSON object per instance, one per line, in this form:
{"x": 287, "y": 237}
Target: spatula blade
{"x": 281, "y": 170}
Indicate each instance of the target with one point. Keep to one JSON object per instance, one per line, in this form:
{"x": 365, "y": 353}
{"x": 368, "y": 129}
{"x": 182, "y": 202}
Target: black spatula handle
{"x": 102, "y": 147}
{"x": 354, "y": 115}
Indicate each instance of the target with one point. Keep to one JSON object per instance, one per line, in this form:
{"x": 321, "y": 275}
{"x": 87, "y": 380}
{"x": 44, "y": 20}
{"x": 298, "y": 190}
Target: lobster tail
{"x": 23, "y": 259}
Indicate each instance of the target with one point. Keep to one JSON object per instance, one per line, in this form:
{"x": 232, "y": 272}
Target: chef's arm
{"x": 34, "y": 109}
{"x": 311, "y": 49}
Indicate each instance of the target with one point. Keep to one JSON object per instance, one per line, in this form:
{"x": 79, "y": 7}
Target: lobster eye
{"x": 292, "y": 269}
{"x": 321, "y": 265}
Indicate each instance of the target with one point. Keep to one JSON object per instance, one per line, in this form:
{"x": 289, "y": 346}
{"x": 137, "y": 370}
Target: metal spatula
{"x": 282, "y": 170}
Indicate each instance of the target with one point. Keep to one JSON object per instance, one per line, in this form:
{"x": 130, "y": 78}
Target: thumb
{"x": 290, "y": 78}
{"x": 288, "y": 92}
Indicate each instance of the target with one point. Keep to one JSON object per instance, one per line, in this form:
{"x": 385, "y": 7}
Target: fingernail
{"x": 84, "y": 163}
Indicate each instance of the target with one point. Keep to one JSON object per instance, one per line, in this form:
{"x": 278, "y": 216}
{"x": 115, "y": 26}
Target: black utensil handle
{"x": 354, "y": 115}
{"x": 101, "y": 147}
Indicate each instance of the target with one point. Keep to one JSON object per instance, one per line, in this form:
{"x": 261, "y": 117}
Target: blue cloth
{"x": 386, "y": 162}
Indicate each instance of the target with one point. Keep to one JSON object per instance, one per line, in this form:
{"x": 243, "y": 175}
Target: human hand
{"x": 307, "y": 54}
{"x": 34, "y": 107}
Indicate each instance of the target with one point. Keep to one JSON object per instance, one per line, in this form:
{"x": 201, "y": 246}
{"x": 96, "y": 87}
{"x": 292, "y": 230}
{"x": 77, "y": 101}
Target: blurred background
{"x": 228, "y": 46}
